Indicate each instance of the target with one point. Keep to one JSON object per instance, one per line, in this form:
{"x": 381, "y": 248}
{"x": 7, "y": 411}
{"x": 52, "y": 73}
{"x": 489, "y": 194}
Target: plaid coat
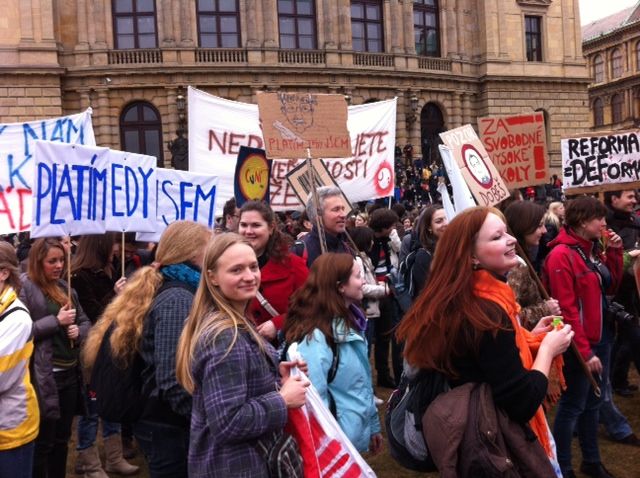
{"x": 235, "y": 403}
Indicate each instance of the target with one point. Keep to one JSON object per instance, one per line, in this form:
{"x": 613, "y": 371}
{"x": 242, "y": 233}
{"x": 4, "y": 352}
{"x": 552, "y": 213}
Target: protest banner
{"x": 601, "y": 162}
{"x": 299, "y": 181}
{"x": 182, "y": 195}
{"x": 253, "y": 171}
{"x": 462, "y": 197}
{"x": 478, "y": 171}
{"x": 218, "y": 127}
{"x": 292, "y": 122}
{"x": 17, "y": 145}
{"x": 517, "y": 146}
{"x": 70, "y": 189}
{"x": 132, "y": 189}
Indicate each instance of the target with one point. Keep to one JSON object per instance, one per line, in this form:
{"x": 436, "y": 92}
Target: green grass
{"x": 621, "y": 460}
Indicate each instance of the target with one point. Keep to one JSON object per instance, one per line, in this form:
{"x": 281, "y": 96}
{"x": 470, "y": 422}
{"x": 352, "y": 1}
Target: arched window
{"x": 617, "y": 105}
{"x": 141, "y": 130}
{"x": 598, "y": 69}
{"x": 598, "y": 112}
{"x": 431, "y": 125}
{"x": 426, "y": 27}
{"x": 616, "y": 63}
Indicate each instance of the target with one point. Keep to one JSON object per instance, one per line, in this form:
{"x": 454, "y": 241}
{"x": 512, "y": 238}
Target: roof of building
{"x": 611, "y": 23}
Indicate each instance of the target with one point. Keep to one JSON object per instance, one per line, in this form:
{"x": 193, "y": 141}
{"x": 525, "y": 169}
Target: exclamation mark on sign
{"x": 539, "y": 162}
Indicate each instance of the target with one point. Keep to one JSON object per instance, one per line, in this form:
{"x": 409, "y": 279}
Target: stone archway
{"x": 431, "y": 125}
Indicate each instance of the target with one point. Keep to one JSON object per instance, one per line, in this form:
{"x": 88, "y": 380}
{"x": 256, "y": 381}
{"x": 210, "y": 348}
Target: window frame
{"x": 617, "y": 63}
{"x": 531, "y": 36}
{"x": 598, "y": 112}
{"x": 297, "y": 34}
{"x": 141, "y": 126}
{"x": 617, "y": 114}
{"x": 598, "y": 68}
{"x": 365, "y": 22}
{"x": 420, "y": 6}
{"x": 218, "y": 16}
{"x": 134, "y": 15}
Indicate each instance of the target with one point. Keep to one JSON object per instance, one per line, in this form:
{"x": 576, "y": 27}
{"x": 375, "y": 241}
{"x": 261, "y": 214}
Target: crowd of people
{"x": 208, "y": 317}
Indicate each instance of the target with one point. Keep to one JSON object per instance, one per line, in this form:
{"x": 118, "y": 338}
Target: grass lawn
{"x": 621, "y": 460}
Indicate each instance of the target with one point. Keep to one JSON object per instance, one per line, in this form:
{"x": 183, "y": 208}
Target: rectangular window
{"x": 425, "y": 27}
{"x": 533, "y": 37}
{"x": 297, "y": 23}
{"x": 366, "y": 26}
{"x": 134, "y": 24}
{"x": 218, "y": 23}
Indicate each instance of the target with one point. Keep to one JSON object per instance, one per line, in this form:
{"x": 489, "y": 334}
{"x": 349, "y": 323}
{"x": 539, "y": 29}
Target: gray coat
{"x": 45, "y": 326}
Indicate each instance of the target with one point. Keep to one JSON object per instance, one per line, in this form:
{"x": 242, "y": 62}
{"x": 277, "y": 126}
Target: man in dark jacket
{"x": 623, "y": 221}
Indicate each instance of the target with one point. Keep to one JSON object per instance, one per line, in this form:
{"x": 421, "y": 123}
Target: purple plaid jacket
{"x": 235, "y": 403}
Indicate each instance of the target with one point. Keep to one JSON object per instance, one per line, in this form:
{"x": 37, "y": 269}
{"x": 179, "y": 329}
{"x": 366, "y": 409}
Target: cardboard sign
{"x": 293, "y": 122}
{"x": 478, "y": 171}
{"x": 182, "y": 195}
{"x": 70, "y": 189}
{"x": 604, "y": 162}
{"x": 253, "y": 172}
{"x": 300, "y": 181}
{"x": 517, "y": 146}
{"x": 219, "y": 127}
{"x": 17, "y": 165}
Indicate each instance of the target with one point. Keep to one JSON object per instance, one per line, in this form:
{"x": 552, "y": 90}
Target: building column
{"x": 407, "y": 27}
{"x": 168, "y": 37}
{"x": 328, "y": 20}
{"x": 456, "y": 109}
{"x": 26, "y": 21}
{"x": 85, "y": 99}
{"x": 466, "y": 108}
{"x": 98, "y": 34}
{"x": 270, "y": 16}
{"x": 46, "y": 20}
{"x": 103, "y": 118}
{"x": 185, "y": 14}
{"x": 397, "y": 35}
{"x": 82, "y": 18}
{"x": 344, "y": 25}
{"x": 252, "y": 23}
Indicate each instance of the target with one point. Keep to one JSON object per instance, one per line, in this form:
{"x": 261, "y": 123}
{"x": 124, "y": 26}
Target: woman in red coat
{"x": 282, "y": 272}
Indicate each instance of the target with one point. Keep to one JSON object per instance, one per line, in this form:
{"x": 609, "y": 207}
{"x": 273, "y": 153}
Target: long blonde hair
{"x": 180, "y": 242}
{"x": 212, "y": 313}
{"x": 551, "y": 216}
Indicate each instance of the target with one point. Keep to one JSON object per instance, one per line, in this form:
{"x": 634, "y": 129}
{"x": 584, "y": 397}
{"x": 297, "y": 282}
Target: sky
{"x": 591, "y": 10}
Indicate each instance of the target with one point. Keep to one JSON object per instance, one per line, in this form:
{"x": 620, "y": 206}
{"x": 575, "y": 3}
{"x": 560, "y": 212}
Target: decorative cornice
{"x": 534, "y": 3}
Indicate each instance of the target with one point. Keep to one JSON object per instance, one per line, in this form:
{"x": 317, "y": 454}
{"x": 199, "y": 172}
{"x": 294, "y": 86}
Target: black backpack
{"x": 120, "y": 391}
{"x": 403, "y": 420}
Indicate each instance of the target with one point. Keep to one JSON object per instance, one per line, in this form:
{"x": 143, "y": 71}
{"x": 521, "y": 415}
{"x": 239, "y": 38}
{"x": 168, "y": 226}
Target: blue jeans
{"x": 614, "y": 421}
{"x": 17, "y": 462}
{"x": 88, "y": 426}
{"x": 165, "y": 448}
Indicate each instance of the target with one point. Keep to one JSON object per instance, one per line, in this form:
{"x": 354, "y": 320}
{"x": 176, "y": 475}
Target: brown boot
{"x": 115, "y": 461}
{"x": 88, "y": 463}
{"x": 128, "y": 447}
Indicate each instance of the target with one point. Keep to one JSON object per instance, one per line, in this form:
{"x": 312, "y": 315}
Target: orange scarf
{"x": 488, "y": 287}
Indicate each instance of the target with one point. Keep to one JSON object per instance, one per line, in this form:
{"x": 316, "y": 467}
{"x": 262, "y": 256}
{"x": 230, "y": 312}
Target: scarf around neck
{"x": 7, "y": 296}
{"x": 487, "y": 286}
{"x": 182, "y": 272}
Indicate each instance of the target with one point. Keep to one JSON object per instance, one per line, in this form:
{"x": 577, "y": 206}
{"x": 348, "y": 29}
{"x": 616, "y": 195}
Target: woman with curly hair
{"x": 147, "y": 317}
{"x": 59, "y": 328}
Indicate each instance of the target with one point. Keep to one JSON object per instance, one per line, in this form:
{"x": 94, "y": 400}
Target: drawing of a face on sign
{"x": 298, "y": 110}
{"x": 254, "y": 177}
{"x": 476, "y": 166}
{"x": 384, "y": 179}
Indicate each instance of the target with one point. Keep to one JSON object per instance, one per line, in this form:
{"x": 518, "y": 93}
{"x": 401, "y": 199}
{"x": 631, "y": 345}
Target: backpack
{"x": 402, "y": 281}
{"x": 299, "y": 248}
{"x": 120, "y": 391}
{"x": 403, "y": 420}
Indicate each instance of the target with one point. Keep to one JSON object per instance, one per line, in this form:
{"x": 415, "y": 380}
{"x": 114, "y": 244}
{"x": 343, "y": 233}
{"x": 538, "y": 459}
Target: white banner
{"x": 218, "y": 127}
{"x": 17, "y": 145}
{"x": 182, "y": 195}
{"x": 70, "y": 189}
{"x": 132, "y": 192}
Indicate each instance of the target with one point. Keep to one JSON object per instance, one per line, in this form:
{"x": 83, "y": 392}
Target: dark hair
{"x": 9, "y": 261}
{"x": 583, "y": 209}
{"x": 362, "y": 237}
{"x": 426, "y": 236}
{"x": 523, "y": 218}
{"x": 318, "y": 301}
{"x": 277, "y": 247}
{"x": 382, "y": 219}
{"x": 94, "y": 253}
{"x": 399, "y": 209}
{"x": 610, "y": 194}
{"x": 229, "y": 209}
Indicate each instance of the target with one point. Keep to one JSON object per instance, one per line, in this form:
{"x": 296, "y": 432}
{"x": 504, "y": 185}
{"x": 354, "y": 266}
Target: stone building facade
{"x": 611, "y": 46}
{"x": 448, "y": 61}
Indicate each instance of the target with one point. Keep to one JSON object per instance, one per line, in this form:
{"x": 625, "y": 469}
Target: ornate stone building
{"x": 612, "y": 48}
{"x": 448, "y": 61}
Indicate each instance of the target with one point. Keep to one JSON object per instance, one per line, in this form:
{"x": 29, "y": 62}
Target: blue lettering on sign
{"x": 202, "y": 196}
{"x": 114, "y": 189}
{"x": 167, "y": 184}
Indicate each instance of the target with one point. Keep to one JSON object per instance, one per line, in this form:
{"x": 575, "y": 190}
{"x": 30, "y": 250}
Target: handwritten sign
{"x": 478, "y": 171}
{"x": 131, "y": 183}
{"x": 293, "y": 122}
{"x": 70, "y": 189}
{"x": 253, "y": 171}
{"x": 218, "y": 127}
{"x": 300, "y": 180}
{"x": 605, "y": 162}
{"x": 517, "y": 146}
{"x": 182, "y": 195}
{"x": 17, "y": 166}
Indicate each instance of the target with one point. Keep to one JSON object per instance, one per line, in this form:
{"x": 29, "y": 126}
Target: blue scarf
{"x": 182, "y": 272}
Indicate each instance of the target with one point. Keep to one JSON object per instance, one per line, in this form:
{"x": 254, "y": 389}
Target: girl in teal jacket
{"x": 324, "y": 317}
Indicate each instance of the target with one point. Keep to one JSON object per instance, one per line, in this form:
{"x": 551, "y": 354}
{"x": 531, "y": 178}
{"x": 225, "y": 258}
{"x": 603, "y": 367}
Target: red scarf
{"x": 488, "y": 287}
